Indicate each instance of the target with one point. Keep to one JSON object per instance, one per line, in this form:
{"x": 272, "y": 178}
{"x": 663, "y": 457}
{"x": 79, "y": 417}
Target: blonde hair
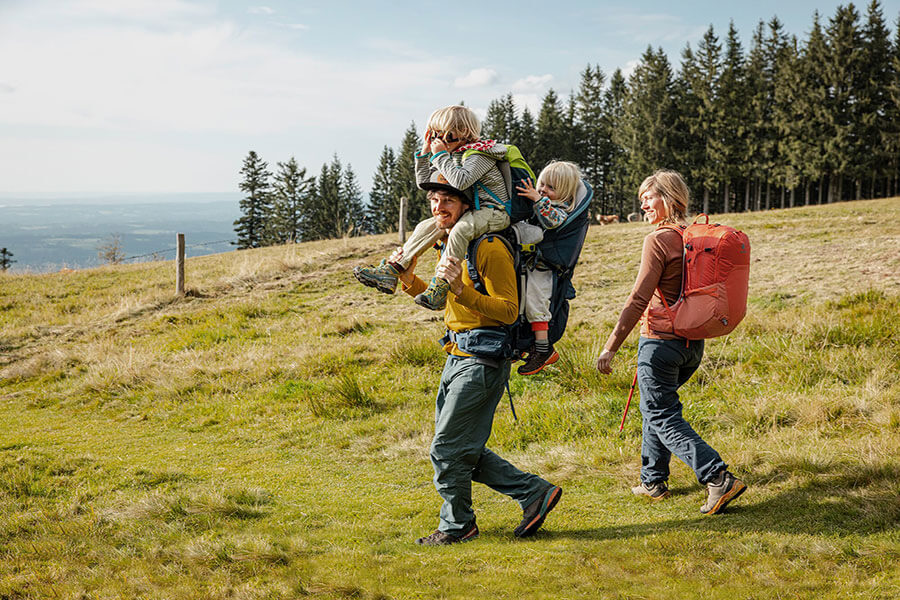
{"x": 457, "y": 120}
{"x": 564, "y": 177}
{"x": 673, "y": 191}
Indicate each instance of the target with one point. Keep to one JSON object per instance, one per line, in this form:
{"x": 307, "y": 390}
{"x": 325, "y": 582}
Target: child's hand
{"x": 450, "y": 270}
{"x": 528, "y": 191}
{"x": 438, "y": 145}
{"x": 426, "y": 147}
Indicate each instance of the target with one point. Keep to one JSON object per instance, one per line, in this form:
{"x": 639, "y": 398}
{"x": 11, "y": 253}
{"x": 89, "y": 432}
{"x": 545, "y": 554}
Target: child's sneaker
{"x": 383, "y": 278}
{"x": 435, "y": 296}
{"x": 537, "y": 361}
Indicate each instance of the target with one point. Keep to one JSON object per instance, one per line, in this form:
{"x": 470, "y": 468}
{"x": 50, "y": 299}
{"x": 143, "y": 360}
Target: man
{"x": 471, "y": 386}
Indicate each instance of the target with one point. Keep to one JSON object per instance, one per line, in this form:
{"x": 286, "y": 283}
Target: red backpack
{"x": 714, "y": 283}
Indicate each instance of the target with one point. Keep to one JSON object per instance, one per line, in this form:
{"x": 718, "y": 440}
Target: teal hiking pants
{"x": 467, "y": 397}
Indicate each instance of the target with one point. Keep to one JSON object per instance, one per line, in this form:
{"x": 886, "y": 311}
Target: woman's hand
{"x": 450, "y": 270}
{"x": 528, "y": 191}
{"x": 604, "y": 363}
{"x": 409, "y": 275}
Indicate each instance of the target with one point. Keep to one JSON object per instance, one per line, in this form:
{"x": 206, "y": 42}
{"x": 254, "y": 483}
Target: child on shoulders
{"x": 453, "y": 149}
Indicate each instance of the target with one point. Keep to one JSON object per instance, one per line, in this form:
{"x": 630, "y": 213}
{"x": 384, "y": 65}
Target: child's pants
{"x": 538, "y": 283}
{"x": 538, "y": 289}
{"x": 471, "y": 224}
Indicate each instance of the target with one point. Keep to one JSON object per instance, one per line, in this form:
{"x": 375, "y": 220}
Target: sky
{"x": 166, "y": 96}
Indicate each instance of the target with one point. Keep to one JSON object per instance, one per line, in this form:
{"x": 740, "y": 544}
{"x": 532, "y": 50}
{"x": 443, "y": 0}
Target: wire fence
{"x": 159, "y": 253}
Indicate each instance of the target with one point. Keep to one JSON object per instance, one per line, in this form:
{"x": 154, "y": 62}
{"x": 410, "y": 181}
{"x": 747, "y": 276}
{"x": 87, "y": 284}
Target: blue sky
{"x": 158, "y": 96}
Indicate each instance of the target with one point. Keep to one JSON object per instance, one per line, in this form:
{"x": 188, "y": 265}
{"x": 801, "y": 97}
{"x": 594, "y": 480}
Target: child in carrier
{"x": 453, "y": 151}
{"x": 555, "y": 197}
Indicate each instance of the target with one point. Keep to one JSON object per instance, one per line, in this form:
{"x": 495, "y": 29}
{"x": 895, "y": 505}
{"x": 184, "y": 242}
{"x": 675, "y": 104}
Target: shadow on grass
{"x": 853, "y": 501}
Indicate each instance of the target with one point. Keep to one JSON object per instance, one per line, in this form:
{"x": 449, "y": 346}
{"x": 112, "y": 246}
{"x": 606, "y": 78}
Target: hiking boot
{"x": 435, "y": 296}
{"x": 720, "y": 492}
{"x": 383, "y": 278}
{"x": 537, "y": 361}
{"x": 654, "y": 491}
{"x": 439, "y": 538}
{"x": 534, "y": 514}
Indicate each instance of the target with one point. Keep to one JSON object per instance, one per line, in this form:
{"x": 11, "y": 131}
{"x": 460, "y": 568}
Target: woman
{"x": 666, "y": 362}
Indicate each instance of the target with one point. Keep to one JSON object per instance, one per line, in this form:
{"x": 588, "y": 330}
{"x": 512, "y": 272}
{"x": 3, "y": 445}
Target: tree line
{"x": 785, "y": 123}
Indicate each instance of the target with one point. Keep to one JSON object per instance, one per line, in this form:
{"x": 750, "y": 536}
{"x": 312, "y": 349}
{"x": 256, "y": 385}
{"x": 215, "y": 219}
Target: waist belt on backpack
{"x": 486, "y": 347}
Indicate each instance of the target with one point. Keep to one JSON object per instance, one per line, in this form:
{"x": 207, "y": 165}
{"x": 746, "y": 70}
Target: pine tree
{"x": 613, "y": 184}
{"x": 758, "y": 116}
{"x": 874, "y": 98}
{"x": 594, "y": 135}
{"x": 731, "y": 108}
{"x": 572, "y": 141}
{"x": 701, "y": 110}
{"x": 336, "y": 210}
{"x": 813, "y": 103}
{"x": 405, "y": 177}
{"x": 5, "y": 259}
{"x": 892, "y": 135}
{"x": 500, "y": 122}
{"x": 256, "y": 204}
{"x": 686, "y": 138}
{"x": 526, "y": 138}
{"x": 773, "y": 47}
{"x": 384, "y": 203}
{"x": 352, "y": 215}
{"x": 550, "y": 142}
{"x": 842, "y": 76}
{"x": 290, "y": 190}
{"x": 645, "y": 132}
{"x": 789, "y": 93}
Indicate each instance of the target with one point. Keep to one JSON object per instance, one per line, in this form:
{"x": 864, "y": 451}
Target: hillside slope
{"x": 266, "y": 435}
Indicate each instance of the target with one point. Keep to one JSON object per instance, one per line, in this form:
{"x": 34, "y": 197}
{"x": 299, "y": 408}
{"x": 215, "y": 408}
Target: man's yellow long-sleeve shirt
{"x": 472, "y": 309}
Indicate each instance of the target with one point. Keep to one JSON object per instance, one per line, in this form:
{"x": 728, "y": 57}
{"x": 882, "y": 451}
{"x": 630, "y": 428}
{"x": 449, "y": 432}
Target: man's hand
{"x": 528, "y": 191}
{"x": 409, "y": 275}
{"x": 604, "y": 363}
{"x": 450, "y": 270}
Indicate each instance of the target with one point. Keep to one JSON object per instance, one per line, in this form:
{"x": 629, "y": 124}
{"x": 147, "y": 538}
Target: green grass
{"x": 267, "y": 435}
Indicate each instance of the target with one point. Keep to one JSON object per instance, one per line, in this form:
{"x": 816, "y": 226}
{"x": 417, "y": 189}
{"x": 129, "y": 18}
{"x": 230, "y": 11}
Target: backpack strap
{"x": 472, "y": 252}
{"x": 680, "y": 229}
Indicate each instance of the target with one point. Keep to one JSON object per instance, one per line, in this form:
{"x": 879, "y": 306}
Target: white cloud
{"x": 125, "y": 91}
{"x": 297, "y": 26}
{"x": 476, "y": 78}
{"x": 260, "y": 10}
{"x": 530, "y": 101}
{"x": 532, "y": 83}
{"x": 629, "y": 68}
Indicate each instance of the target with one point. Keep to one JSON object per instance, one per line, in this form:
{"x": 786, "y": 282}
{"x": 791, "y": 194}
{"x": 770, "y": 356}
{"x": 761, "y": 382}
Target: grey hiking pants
{"x": 663, "y": 367}
{"x": 467, "y": 397}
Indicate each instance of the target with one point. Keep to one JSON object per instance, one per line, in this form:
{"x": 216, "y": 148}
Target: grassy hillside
{"x": 267, "y": 435}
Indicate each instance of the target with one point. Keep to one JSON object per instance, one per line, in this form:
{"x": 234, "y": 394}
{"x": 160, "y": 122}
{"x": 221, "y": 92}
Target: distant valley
{"x": 47, "y": 234}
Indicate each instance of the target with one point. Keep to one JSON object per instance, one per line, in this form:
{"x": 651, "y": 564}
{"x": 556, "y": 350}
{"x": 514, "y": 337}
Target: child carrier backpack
{"x": 515, "y": 171}
{"x": 558, "y": 252}
{"x": 715, "y": 278}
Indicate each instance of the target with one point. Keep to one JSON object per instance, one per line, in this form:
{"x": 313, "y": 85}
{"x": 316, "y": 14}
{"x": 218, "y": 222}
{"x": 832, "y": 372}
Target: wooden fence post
{"x": 402, "y": 224}
{"x": 179, "y": 265}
